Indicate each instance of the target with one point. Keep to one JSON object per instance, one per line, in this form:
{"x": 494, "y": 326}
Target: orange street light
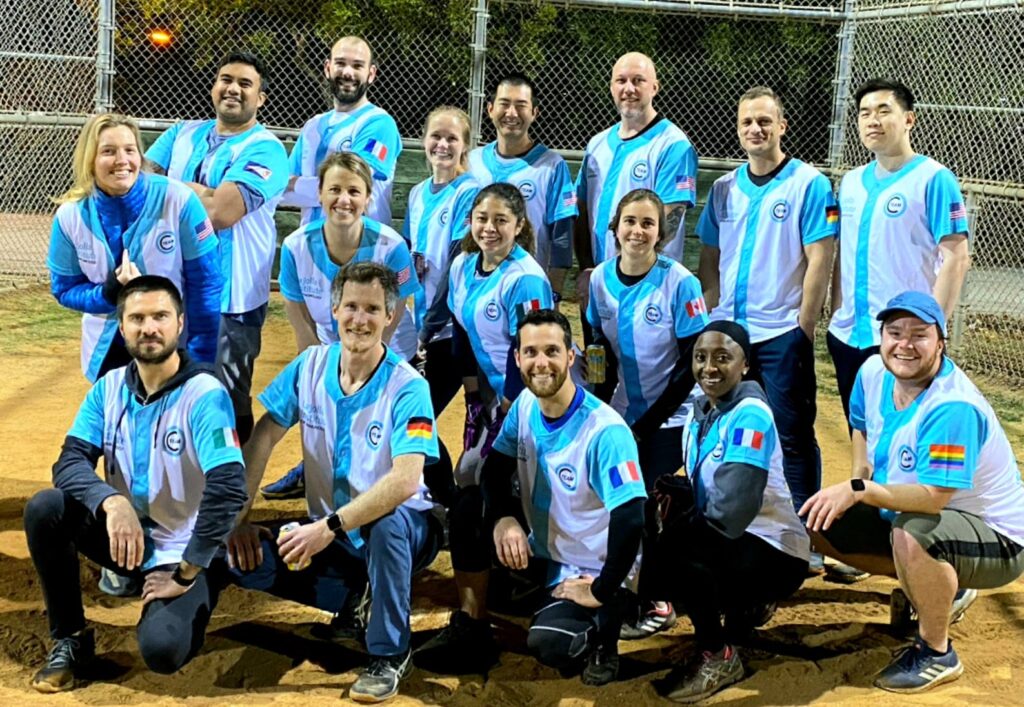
{"x": 160, "y": 37}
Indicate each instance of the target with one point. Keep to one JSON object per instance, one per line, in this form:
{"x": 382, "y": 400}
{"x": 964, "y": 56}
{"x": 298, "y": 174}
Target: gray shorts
{"x": 238, "y": 345}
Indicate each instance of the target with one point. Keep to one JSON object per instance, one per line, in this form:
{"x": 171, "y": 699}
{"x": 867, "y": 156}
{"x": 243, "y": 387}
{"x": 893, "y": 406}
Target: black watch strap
{"x": 334, "y": 523}
{"x": 857, "y": 485}
{"x": 181, "y": 581}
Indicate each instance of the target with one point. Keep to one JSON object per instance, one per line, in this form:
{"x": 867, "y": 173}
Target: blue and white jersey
{"x": 642, "y": 323}
{"x": 349, "y": 442}
{"x": 542, "y": 177}
{"x": 369, "y": 132}
{"x": 761, "y": 232}
{"x": 572, "y": 477}
{"x": 660, "y": 159}
{"x": 158, "y": 454}
{"x": 949, "y": 437}
{"x": 490, "y": 306}
{"x": 746, "y": 434}
{"x": 433, "y": 221}
{"x": 889, "y": 236}
{"x": 172, "y": 228}
{"x": 307, "y": 272}
{"x": 257, "y": 162}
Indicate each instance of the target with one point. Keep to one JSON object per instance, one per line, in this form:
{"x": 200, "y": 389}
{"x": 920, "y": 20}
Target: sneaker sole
{"x": 48, "y": 689}
{"x": 285, "y": 496}
{"x": 946, "y": 676}
{"x": 371, "y": 699}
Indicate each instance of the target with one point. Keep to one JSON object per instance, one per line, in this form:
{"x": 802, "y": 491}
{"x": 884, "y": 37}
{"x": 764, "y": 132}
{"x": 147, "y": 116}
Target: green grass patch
{"x": 31, "y": 319}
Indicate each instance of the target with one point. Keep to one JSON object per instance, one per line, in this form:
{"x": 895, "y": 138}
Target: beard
{"x": 546, "y": 390}
{"x": 157, "y": 356}
{"x": 348, "y": 96}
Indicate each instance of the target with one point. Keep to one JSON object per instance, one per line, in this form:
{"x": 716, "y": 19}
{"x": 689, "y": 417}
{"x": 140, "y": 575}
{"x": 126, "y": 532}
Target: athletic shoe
{"x": 380, "y": 680}
{"x": 655, "y": 619}
{"x": 348, "y": 626}
{"x": 816, "y": 565}
{"x": 602, "y": 666}
{"x": 67, "y": 657}
{"x": 845, "y": 574}
{"x": 291, "y": 485}
{"x": 903, "y": 615}
{"x": 963, "y": 599}
{"x": 917, "y": 668}
{"x": 703, "y": 677}
{"x": 465, "y": 646}
{"x": 117, "y": 585}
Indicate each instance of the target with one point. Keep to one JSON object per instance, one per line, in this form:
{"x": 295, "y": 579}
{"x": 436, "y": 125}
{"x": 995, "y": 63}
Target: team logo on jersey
{"x": 492, "y": 311}
{"x": 165, "y": 242}
{"x": 640, "y": 171}
{"x": 652, "y": 315}
{"x": 442, "y": 217}
{"x": 174, "y": 441}
{"x": 346, "y": 145}
{"x": 312, "y": 416}
{"x": 528, "y": 189}
{"x": 718, "y": 452}
{"x": 374, "y": 433}
{"x": 907, "y": 458}
{"x": 86, "y": 252}
{"x": 568, "y": 476}
{"x": 311, "y": 287}
{"x": 780, "y": 210}
{"x": 896, "y": 205}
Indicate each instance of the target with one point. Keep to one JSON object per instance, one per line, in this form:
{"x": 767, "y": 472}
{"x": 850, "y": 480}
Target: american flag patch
{"x": 831, "y": 214}
{"x": 748, "y": 438}
{"x": 419, "y": 428}
{"x": 957, "y": 211}
{"x": 625, "y": 473}
{"x": 696, "y": 307}
{"x": 527, "y": 307}
{"x": 259, "y": 170}
{"x": 204, "y": 230}
{"x": 403, "y": 275}
{"x": 569, "y": 199}
{"x": 685, "y": 183}
{"x": 377, "y": 149}
{"x": 946, "y": 457}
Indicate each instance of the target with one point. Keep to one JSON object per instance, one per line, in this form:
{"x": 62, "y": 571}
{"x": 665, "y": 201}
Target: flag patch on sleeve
{"x": 625, "y": 473}
{"x": 696, "y": 307}
{"x": 403, "y": 276}
{"x": 748, "y": 438}
{"x": 204, "y": 230}
{"x": 831, "y": 215}
{"x": 376, "y": 149}
{"x": 957, "y": 211}
{"x": 685, "y": 182}
{"x": 419, "y": 428}
{"x": 569, "y": 199}
{"x": 527, "y": 307}
{"x": 259, "y": 170}
{"x": 225, "y": 438}
{"x": 946, "y": 457}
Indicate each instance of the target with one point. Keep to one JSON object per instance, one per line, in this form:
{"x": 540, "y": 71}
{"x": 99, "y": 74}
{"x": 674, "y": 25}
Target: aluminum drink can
{"x": 284, "y": 530}
{"x": 595, "y": 364}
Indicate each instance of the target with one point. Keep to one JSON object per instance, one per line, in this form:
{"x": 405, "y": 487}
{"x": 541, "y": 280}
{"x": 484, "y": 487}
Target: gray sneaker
{"x": 117, "y": 585}
{"x": 67, "y": 657}
{"x": 903, "y": 615}
{"x": 703, "y": 677}
{"x": 379, "y": 682}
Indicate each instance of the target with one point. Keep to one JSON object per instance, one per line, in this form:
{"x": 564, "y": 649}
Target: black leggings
{"x": 170, "y": 632}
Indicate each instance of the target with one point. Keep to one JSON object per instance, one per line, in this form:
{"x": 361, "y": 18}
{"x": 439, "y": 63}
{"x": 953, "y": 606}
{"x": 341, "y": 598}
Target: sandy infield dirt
{"x": 823, "y": 646}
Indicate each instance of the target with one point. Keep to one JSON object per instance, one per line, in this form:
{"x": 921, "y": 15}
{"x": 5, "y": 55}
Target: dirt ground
{"x": 822, "y": 647}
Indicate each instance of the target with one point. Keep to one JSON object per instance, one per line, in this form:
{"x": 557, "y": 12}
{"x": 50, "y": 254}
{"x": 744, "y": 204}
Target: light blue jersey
{"x": 490, "y": 306}
{"x": 642, "y": 323}
{"x": 660, "y": 158}
{"x": 158, "y": 454}
{"x": 349, "y": 442}
{"x": 572, "y": 477}
{"x": 746, "y": 434}
{"x": 949, "y": 437}
{"x": 368, "y": 132}
{"x": 433, "y": 221}
{"x": 307, "y": 272}
{"x": 257, "y": 162}
{"x": 761, "y": 232}
{"x": 543, "y": 179}
{"x": 889, "y": 237}
{"x": 173, "y": 228}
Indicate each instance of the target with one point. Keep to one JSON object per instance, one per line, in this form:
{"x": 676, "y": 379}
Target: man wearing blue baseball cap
{"x": 936, "y": 497}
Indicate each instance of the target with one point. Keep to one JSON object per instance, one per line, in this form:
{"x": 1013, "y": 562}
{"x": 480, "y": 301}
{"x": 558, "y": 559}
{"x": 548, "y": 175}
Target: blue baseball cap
{"x": 921, "y": 304}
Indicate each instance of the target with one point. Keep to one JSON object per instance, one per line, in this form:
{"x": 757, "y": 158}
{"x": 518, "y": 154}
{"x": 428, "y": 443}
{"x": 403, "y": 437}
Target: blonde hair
{"x": 463, "y": 118}
{"x": 350, "y": 162}
{"x": 513, "y": 201}
{"x": 84, "y": 162}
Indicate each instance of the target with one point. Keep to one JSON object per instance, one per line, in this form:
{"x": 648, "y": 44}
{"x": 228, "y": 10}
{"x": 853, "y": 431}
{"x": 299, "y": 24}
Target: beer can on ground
{"x": 284, "y": 530}
{"x": 595, "y": 364}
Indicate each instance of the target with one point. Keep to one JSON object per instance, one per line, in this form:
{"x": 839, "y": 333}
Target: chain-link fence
{"x": 966, "y": 68}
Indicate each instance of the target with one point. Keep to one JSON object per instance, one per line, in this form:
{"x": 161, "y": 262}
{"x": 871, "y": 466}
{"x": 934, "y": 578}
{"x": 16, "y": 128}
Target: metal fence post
{"x": 478, "y": 70}
{"x": 844, "y": 64}
{"x": 105, "y": 57}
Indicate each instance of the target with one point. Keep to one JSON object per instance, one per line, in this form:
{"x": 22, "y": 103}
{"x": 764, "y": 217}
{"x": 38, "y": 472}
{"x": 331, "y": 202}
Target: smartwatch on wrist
{"x": 335, "y": 524}
{"x": 857, "y": 485}
{"x": 178, "y": 579}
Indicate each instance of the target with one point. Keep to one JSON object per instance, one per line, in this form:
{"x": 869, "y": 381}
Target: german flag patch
{"x": 419, "y": 428}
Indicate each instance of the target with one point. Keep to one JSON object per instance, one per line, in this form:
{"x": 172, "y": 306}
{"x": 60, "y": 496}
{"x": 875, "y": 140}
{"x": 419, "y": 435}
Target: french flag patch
{"x": 378, "y": 150}
{"x": 625, "y": 473}
{"x": 748, "y": 438}
{"x": 696, "y": 307}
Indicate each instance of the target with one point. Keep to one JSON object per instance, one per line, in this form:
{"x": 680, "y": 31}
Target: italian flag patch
{"x": 225, "y": 437}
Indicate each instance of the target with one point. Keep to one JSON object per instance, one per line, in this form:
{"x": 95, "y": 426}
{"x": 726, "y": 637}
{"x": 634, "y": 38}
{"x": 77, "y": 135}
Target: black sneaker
{"x": 602, "y": 666}
{"x": 653, "y": 620}
{"x": 464, "y": 647}
{"x": 67, "y": 657}
{"x": 348, "y": 626}
{"x": 380, "y": 680}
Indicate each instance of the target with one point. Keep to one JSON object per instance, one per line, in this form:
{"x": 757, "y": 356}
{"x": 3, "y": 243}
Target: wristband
{"x": 336, "y": 524}
{"x": 857, "y": 485}
{"x": 181, "y": 581}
